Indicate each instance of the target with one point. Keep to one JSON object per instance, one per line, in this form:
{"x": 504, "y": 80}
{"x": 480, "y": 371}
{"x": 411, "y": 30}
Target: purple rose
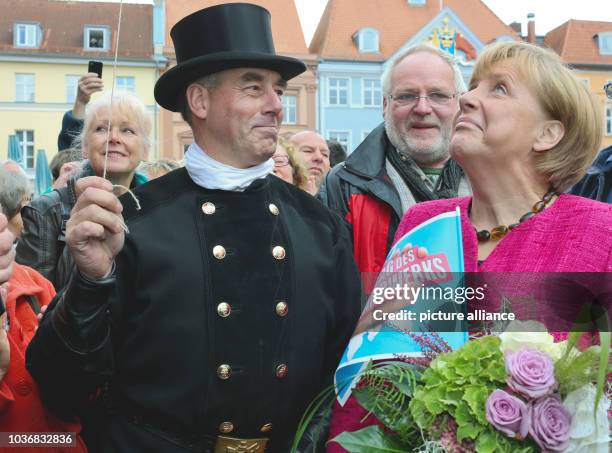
{"x": 530, "y": 373}
{"x": 508, "y": 414}
{"x": 550, "y": 424}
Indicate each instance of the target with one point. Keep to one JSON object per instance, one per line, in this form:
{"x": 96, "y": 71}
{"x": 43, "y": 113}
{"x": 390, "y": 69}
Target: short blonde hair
{"x": 300, "y": 178}
{"x": 563, "y": 97}
{"x": 124, "y": 105}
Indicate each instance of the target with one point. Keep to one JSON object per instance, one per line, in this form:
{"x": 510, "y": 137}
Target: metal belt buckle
{"x": 235, "y": 445}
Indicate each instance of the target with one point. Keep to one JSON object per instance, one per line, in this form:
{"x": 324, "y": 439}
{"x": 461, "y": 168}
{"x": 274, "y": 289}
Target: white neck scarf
{"x": 208, "y": 173}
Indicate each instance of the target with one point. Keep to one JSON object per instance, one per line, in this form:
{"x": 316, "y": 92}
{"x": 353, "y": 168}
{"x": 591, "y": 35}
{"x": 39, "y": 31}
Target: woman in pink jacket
{"x": 527, "y": 130}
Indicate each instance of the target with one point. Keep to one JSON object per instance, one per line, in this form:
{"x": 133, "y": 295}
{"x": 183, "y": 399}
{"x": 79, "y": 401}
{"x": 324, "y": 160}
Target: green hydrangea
{"x": 457, "y": 385}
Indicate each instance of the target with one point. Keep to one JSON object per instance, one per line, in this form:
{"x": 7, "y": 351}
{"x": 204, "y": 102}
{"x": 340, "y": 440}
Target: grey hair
{"x": 209, "y": 81}
{"x": 460, "y": 86}
{"x": 14, "y": 189}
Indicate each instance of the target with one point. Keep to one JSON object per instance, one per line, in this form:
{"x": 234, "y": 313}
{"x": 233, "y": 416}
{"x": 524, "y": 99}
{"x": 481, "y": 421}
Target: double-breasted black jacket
{"x": 227, "y": 315}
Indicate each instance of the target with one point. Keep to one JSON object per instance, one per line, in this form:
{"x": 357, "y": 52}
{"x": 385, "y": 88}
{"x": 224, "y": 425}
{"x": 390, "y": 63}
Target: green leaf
{"x": 468, "y": 431}
{"x": 369, "y": 440}
{"x": 432, "y": 401}
{"x": 463, "y": 415}
{"x": 486, "y": 443}
{"x": 476, "y": 397}
{"x": 420, "y": 415}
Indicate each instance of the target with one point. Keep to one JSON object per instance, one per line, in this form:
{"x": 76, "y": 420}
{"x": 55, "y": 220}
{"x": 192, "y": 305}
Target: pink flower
{"x": 550, "y": 424}
{"x": 508, "y": 414}
{"x": 530, "y": 373}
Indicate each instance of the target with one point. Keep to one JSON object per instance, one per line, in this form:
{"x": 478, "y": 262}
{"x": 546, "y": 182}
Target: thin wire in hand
{"x": 110, "y": 117}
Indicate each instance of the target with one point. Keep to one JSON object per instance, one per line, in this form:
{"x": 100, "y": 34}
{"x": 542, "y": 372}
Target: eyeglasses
{"x": 435, "y": 98}
{"x": 280, "y": 161}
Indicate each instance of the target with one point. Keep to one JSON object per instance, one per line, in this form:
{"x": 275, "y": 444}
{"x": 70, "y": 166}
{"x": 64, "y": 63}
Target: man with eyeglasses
{"x": 405, "y": 159}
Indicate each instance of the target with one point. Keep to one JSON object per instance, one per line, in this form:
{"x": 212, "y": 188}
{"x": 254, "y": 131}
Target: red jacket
{"x": 21, "y": 409}
{"x": 360, "y": 190}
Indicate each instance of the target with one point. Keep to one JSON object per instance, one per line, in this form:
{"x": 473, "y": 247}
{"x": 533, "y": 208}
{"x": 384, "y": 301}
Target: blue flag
{"x": 427, "y": 260}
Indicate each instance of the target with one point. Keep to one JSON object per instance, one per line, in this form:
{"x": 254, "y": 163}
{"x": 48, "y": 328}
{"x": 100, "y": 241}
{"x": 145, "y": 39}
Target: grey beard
{"x": 422, "y": 155}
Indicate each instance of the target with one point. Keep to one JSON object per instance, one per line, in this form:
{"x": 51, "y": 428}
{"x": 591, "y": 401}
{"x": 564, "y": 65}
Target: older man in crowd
{"x": 404, "y": 160}
{"x": 314, "y": 152}
{"x": 224, "y": 311}
{"x": 15, "y": 193}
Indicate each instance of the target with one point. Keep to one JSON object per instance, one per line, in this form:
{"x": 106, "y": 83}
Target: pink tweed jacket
{"x": 574, "y": 234}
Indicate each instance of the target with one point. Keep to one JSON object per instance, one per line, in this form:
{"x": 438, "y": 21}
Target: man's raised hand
{"x": 94, "y": 233}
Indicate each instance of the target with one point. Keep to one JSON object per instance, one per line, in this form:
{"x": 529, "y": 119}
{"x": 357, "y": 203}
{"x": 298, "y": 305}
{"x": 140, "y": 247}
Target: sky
{"x": 548, "y": 13}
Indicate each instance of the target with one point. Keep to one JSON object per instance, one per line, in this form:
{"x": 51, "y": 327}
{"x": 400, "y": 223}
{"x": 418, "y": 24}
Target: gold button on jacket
{"x": 282, "y": 309}
{"x": 208, "y": 208}
{"x": 265, "y": 428}
{"x": 273, "y": 209}
{"x": 219, "y": 252}
{"x": 226, "y": 427}
{"x": 224, "y": 371}
{"x": 281, "y": 371}
{"x": 224, "y": 309}
{"x": 278, "y": 252}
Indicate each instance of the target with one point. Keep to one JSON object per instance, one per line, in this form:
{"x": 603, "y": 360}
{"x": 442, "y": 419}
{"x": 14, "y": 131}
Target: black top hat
{"x": 231, "y": 35}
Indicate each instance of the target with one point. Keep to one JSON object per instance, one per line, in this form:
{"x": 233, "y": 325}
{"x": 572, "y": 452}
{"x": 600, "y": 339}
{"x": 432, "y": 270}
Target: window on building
{"x": 605, "y": 43}
{"x": 364, "y": 134}
{"x": 341, "y": 137}
{"x": 125, "y": 84}
{"x": 371, "y": 92}
{"x": 608, "y": 118}
{"x": 289, "y": 109}
{"x": 72, "y": 84}
{"x": 26, "y": 142}
{"x": 338, "y": 91}
{"x": 367, "y": 40}
{"x": 417, "y": 2}
{"x": 95, "y": 38}
{"x": 24, "y": 87}
{"x": 26, "y": 35}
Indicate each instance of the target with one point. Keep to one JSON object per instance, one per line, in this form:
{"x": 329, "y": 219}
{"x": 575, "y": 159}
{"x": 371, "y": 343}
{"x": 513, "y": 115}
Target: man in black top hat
{"x": 222, "y": 314}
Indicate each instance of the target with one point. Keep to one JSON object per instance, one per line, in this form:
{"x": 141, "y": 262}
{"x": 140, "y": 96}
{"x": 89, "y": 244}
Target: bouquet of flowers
{"x": 515, "y": 392}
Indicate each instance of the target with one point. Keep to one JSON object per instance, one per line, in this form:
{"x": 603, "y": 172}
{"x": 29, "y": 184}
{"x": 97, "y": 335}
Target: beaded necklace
{"x": 500, "y": 231}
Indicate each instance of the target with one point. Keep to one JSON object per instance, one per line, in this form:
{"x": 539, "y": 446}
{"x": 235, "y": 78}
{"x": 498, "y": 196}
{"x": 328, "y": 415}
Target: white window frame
{"x": 32, "y": 35}
{"x": 362, "y": 40}
{"x": 608, "y": 118}
{"x": 28, "y": 96}
{"x": 363, "y": 92}
{"x": 131, "y": 81}
{"x": 331, "y": 136}
{"x": 348, "y": 91}
{"x": 86, "y": 37}
{"x": 288, "y": 108}
{"x": 71, "y": 88}
{"x": 27, "y": 147}
{"x": 604, "y": 37}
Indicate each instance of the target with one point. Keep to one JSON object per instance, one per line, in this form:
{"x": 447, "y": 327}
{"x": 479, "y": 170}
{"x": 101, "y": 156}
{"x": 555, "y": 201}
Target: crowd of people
{"x": 202, "y": 305}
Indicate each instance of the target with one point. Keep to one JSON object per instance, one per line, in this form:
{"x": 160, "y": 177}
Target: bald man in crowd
{"x": 314, "y": 152}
